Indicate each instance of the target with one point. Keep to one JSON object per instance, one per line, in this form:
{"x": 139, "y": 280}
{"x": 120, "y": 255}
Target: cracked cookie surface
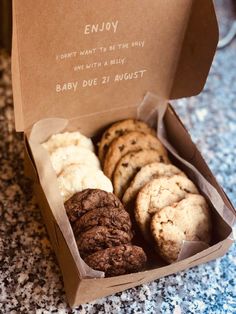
{"x": 159, "y": 193}
{"x": 104, "y": 216}
{"x": 130, "y": 164}
{"x": 82, "y": 202}
{"x": 118, "y": 129}
{"x": 68, "y": 139}
{"x": 130, "y": 142}
{"x": 78, "y": 177}
{"x": 147, "y": 173}
{"x": 187, "y": 220}
{"x": 99, "y": 238}
{"x": 62, "y": 157}
{"x": 118, "y": 260}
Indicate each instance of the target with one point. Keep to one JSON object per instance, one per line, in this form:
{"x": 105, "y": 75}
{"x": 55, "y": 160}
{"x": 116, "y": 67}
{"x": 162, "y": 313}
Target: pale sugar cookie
{"x": 62, "y": 157}
{"x": 78, "y": 177}
{"x": 68, "y": 139}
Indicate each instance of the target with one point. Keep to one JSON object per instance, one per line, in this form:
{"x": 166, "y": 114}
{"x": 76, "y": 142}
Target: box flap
{"x": 197, "y": 52}
{"x": 74, "y": 58}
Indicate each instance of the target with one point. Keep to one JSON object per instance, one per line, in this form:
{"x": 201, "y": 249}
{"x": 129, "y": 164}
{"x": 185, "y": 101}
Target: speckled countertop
{"x": 30, "y": 279}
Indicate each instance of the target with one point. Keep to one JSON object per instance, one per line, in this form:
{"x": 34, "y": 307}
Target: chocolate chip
{"x": 119, "y": 132}
{"x": 107, "y": 135}
{"x": 125, "y": 165}
{"x": 105, "y": 148}
{"x": 118, "y": 260}
{"x": 121, "y": 148}
{"x": 187, "y": 191}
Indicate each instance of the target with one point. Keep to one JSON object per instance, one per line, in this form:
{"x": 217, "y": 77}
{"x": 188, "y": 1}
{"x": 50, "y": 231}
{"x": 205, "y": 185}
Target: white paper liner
{"x": 152, "y": 111}
{"x": 151, "y": 107}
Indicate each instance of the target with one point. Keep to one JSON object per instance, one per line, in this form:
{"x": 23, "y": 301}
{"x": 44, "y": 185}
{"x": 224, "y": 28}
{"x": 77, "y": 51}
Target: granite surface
{"x": 30, "y": 279}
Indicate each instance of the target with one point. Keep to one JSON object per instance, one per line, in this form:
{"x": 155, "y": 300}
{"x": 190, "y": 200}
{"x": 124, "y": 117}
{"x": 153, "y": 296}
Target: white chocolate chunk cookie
{"x": 159, "y": 193}
{"x": 68, "y": 139}
{"x": 120, "y": 128}
{"x": 147, "y": 173}
{"x": 130, "y": 142}
{"x": 130, "y": 164}
{"x": 62, "y": 157}
{"x": 187, "y": 220}
{"x": 78, "y": 177}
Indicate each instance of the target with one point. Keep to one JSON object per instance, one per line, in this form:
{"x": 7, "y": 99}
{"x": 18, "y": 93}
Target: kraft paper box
{"x": 81, "y": 65}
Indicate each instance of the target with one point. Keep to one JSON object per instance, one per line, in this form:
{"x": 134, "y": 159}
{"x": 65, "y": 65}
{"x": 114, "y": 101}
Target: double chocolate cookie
{"x": 82, "y": 202}
{"x": 104, "y": 216}
{"x": 102, "y": 229}
{"x": 118, "y": 260}
{"x": 99, "y": 238}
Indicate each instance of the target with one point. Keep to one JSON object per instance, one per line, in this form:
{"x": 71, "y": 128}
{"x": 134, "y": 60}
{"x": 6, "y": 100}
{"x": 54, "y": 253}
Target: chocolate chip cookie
{"x": 187, "y": 220}
{"x": 159, "y": 193}
{"x": 86, "y": 200}
{"x": 99, "y": 238}
{"x": 130, "y": 164}
{"x": 130, "y": 142}
{"x": 118, "y": 260}
{"x": 147, "y": 173}
{"x": 104, "y": 216}
{"x": 120, "y": 128}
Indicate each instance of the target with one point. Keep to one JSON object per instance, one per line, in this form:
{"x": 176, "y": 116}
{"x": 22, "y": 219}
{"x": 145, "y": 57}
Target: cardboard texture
{"x": 92, "y": 64}
{"x": 166, "y": 46}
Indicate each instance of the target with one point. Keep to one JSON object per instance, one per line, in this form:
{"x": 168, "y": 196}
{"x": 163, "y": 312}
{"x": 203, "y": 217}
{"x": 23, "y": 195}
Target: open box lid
{"x": 74, "y": 57}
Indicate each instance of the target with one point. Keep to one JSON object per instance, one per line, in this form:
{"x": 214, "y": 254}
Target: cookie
{"x": 159, "y": 193}
{"x": 130, "y": 142}
{"x": 78, "y": 177}
{"x": 146, "y": 174}
{"x": 187, "y": 220}
{"x": 118, "y": 260}
{"x": 130, "y": 164}
{"x": 62, "y": 157}
{"x": 118, "y": 129}
{"x": 100, "y": 238}
{"x": 103, "y": 216}
{"x": 82, "y": 202}
{"x": 68, "y": 139}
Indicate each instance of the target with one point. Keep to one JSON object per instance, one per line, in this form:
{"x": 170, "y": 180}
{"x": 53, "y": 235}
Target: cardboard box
{"x": 92, "y": 64}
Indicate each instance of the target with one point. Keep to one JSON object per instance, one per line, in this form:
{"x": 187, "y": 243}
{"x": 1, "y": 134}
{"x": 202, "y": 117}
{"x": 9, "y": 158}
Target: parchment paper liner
{"x": 151, "y": 110}
{"x": 48, "y": 180}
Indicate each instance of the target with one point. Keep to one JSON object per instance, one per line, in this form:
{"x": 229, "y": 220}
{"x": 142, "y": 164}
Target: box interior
{"x": 80, "y": 291}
